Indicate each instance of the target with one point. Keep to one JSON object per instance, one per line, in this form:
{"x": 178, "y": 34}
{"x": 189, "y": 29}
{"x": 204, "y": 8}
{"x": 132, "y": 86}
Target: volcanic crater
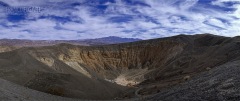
{"x": 132, "y": 70}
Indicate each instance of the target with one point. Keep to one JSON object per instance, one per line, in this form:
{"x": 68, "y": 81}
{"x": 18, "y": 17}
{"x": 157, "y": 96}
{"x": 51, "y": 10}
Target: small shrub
{"x": 208, "y": 68}
{"x": 185, "y": 78}
{"x": 56, "y": 91}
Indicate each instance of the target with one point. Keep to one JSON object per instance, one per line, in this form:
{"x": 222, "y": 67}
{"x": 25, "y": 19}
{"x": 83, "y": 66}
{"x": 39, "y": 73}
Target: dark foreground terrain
{"x": 184, "y": 67}
{"x": 220, "y": 84}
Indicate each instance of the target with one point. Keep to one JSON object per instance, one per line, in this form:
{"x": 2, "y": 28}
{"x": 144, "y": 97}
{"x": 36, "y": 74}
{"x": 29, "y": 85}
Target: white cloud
{"x": 216, "y": 22}
{"x": 221, "y": 2}
{"x": 170, "y": 18}
{"x": 186, "y": 4}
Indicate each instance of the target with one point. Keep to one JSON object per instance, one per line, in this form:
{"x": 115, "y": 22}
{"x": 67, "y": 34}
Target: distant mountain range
{"x": 86, "y": 42}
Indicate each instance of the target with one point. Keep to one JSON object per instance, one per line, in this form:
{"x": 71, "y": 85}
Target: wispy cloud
{"x": 80, "y": 19}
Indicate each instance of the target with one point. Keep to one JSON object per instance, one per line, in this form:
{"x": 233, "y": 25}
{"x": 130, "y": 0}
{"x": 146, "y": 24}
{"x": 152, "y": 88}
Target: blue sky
{"x": 145, "y": 19}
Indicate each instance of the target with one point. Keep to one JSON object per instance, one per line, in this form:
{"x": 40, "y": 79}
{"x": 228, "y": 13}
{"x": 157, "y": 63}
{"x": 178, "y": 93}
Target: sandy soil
{"x": 121, "y": 80}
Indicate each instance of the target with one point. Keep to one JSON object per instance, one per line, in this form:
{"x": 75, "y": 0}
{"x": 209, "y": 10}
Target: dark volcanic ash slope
{"x": 13, "y": 92}
{"x": 90, "y": 72}
{"x": 220, "y": 84}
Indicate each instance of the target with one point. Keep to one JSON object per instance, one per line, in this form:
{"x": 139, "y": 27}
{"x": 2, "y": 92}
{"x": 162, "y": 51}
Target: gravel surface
{"x": 219, "y": 84}
{"x": 14, "y": 92}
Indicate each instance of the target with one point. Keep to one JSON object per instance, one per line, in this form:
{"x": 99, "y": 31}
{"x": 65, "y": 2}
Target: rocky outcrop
{"x": 7, "y": 48}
